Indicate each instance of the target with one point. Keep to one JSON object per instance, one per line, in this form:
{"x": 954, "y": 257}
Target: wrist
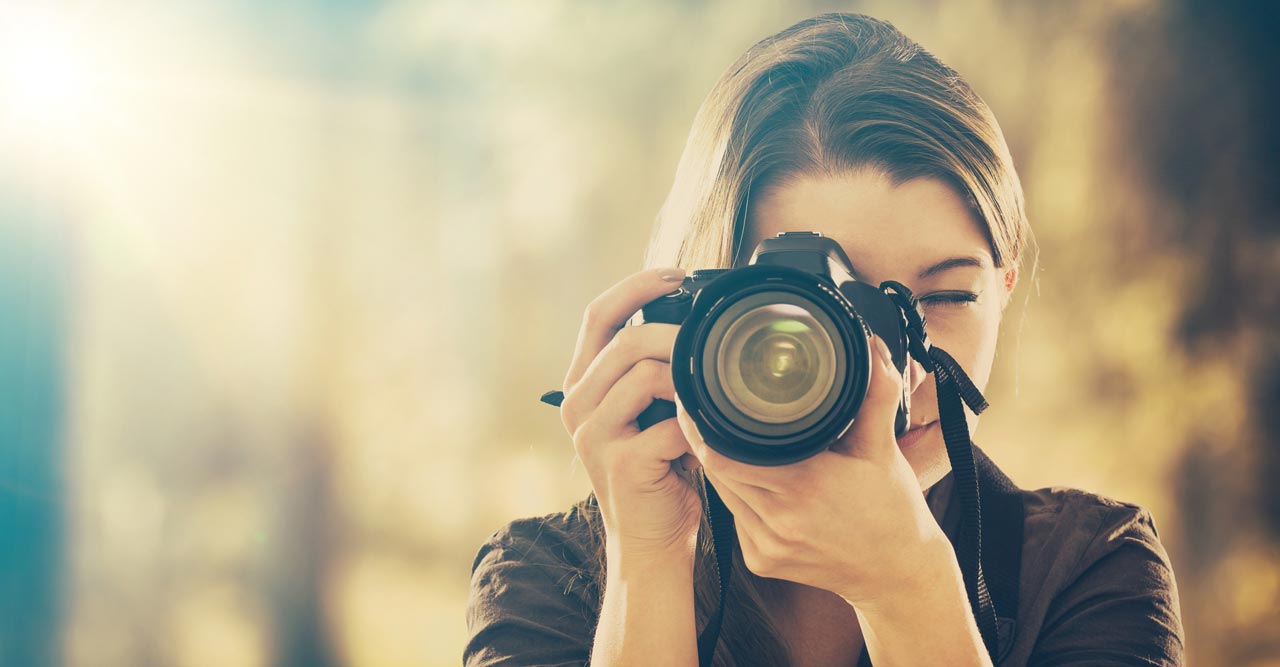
{"x": 647, "y": 614}
{"x": 625, "y": 561}
{"x": 931, "y": 575}
{"x": 929, "y": 624}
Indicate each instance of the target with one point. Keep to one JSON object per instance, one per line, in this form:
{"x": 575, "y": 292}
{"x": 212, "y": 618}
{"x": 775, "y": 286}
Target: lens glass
{"x": 776, "y": 363}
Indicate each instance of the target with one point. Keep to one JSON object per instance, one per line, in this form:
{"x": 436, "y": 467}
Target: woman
{"x": 844, "y": 126}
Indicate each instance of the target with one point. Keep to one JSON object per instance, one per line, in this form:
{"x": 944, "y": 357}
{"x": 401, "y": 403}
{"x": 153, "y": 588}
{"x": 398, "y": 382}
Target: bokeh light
{"x": 45, "y": 76}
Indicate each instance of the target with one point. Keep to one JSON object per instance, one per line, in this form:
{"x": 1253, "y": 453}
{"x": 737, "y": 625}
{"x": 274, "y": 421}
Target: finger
{"x": 872, "y": 433}
{"x": 630, "y": 347}
{"x": 743, "y": 514}
{"x": 655, "y": 448}
{"x": 750, "y": 528}
{"x": 775, "y": 479}
{"x": 762, "y": 500}
{"x": 749, "y": 546}
{"x": 647, "y": 380}
{"x": 915, "y": 375}
{"x": 610, "y": 311}
{"x": 649, "y": 452}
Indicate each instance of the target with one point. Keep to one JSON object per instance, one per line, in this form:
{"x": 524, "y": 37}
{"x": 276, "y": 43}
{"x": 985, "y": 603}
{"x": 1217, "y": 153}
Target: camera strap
{"x": 954, "y": 386}
{"x": 720, "y": 523}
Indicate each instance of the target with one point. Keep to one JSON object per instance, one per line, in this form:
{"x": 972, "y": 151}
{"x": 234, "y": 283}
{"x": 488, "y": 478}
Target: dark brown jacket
{"x": 1077, "y": 578}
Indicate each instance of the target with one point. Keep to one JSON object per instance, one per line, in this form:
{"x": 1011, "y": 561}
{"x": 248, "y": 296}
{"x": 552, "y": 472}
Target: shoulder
{"x": 561, "y": 538}
{"x": 1062, "y": 525}
{"x": 1097, "y": 582}
{"x": 533, "y": 590}
{"x": 550, "y": 556}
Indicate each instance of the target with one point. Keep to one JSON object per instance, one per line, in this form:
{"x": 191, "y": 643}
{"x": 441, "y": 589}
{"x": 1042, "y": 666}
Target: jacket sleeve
{"x": 526, "y": 607}
{"x": 1122, "y": 607}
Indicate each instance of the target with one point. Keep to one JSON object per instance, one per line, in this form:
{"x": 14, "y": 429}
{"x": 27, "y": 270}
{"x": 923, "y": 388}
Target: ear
{"x": 1010, "y": 281}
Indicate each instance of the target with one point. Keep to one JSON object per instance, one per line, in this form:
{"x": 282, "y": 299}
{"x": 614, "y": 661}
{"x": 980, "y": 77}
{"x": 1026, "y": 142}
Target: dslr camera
{"x": 773, "y": 359}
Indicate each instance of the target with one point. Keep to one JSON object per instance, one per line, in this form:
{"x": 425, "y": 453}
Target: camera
{"x": 773, "y": 359}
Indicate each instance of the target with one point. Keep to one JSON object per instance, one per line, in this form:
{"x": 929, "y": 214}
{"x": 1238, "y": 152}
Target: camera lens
{"x": 776, "y": 363}
{"x": 772, "y": 364}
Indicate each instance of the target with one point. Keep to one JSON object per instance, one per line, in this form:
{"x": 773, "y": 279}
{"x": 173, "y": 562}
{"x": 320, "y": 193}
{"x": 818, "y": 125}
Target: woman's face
{"x": 912, "y": 233}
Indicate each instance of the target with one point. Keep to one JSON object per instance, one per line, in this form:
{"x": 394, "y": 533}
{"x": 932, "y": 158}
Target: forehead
{"x": 888, "y": 230}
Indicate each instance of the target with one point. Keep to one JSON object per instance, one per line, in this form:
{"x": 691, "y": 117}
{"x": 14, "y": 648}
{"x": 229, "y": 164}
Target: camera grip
{"x": 659, "y": 410}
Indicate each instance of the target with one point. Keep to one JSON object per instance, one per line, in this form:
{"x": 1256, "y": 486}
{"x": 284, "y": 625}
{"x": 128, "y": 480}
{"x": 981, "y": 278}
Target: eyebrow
{"x": 952, "y": 263}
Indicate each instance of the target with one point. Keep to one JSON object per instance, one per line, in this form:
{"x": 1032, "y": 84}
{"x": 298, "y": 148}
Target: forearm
{"x": 928, "y": 624}
{"x": 647, "y": 616}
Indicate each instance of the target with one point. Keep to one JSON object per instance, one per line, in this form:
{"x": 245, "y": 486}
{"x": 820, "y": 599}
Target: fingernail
{"x": 671, "y": 275}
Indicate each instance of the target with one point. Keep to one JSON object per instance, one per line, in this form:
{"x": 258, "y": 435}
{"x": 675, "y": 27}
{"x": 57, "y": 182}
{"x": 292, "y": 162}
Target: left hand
{"x": 851, "y": 520}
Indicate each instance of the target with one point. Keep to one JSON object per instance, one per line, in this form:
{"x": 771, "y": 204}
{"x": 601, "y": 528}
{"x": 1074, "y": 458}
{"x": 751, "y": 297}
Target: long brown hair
{"x": 828, "y": 95}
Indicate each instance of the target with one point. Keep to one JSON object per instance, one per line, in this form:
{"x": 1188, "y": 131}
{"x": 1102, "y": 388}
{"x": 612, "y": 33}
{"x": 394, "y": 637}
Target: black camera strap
{"x": 720, "y": 523}
{"x": 953, "y": 386}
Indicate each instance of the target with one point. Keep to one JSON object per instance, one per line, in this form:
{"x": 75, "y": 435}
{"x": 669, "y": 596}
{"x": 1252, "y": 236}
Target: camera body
{"x": 773, "y": 359}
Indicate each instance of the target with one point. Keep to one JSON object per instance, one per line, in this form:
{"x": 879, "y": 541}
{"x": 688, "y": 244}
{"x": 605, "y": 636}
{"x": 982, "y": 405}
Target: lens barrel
{"x": 772, "y": 363}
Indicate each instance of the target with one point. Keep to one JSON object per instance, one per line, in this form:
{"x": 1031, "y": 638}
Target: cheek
{"x": 969, "y": 335}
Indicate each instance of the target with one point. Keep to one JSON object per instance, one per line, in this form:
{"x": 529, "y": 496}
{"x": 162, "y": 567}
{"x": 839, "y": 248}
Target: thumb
{"x": 872, "y": 433}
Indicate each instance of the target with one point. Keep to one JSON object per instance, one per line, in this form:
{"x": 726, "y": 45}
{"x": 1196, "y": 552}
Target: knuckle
{"x": 594, "y": 314}
{"x": 711, "y": 459}
{"x": 626, "y": 341}
{"x": 784, "y": 523}
{"x": 772, "y": 551}
{"x": 569, "y": 415}
{"x": 887, "y": 386}
{"x": 727, "y": 466}
{"x": 651, "y": 371}
{"x": 751, "y": 558}
{"x": 762, "y": 564}
{"x": 895, "y": 379}
{"x": 790, "y": 534}
{"x": 584, "y": 438}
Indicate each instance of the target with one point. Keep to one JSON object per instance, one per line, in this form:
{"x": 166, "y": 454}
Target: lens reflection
{"x": 776, "y": 363}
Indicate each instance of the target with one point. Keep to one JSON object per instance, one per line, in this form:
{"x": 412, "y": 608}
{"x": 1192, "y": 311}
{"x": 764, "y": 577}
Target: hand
{"x": 648, "y": 510}
{"x": 851, "y": 520}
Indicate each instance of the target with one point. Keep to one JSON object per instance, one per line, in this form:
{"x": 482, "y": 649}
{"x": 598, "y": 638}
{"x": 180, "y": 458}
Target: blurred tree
{"x": 1197, "y": 100}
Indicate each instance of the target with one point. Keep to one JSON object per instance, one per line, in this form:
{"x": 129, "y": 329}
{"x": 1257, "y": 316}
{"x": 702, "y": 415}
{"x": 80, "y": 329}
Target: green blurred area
{"x": 288, "y": 280}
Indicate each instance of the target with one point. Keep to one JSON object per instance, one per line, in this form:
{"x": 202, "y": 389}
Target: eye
{"x": 949, "y": 299}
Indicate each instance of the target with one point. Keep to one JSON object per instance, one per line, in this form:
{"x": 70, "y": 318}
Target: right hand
{"x": 648, "y": 509}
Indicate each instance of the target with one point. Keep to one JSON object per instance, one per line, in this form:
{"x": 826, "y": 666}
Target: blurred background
{"x": 280, "y": 284}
